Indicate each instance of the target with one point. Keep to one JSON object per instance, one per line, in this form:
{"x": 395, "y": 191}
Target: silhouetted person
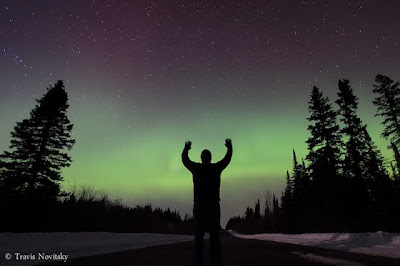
{"x": 206, "y": 208}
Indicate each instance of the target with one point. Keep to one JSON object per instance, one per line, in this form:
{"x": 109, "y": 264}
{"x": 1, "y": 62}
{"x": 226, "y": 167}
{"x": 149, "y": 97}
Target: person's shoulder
{"x": 196, "y": 164}
{"x": 216, "y": 165}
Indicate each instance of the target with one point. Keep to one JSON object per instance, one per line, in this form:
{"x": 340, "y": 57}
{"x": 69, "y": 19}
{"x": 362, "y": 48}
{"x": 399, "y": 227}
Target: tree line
{"x": 345, "y": 185}
{"x": 30, "y": 174}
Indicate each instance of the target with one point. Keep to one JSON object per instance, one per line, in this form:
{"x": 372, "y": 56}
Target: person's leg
{"x": 198, "y": 235}
{"x": 215, "y": 241}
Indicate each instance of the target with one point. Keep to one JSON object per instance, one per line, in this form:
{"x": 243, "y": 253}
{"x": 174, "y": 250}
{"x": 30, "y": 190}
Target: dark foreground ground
{"x": 235, "y": 252}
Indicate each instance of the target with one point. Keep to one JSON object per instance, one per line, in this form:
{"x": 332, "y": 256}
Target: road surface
{"x": 235, "y": 251}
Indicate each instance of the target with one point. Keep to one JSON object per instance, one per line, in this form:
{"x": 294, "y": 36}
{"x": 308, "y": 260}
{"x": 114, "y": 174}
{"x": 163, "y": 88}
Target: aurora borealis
{"x": 145, "y": 76}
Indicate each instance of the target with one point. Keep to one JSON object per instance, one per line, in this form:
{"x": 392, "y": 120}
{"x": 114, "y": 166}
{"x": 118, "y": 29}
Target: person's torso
{"x": 207, "y": 181}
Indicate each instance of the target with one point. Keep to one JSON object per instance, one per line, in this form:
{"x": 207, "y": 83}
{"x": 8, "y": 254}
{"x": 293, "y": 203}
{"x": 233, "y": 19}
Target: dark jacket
{"x": 206, "y": 177}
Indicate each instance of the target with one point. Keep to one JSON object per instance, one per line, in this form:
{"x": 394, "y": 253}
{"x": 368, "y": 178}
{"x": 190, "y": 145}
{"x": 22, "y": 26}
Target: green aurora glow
{"x": 142, "y": 79}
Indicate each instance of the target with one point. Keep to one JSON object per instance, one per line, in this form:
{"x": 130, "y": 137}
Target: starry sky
{"x": 145, "y": 76}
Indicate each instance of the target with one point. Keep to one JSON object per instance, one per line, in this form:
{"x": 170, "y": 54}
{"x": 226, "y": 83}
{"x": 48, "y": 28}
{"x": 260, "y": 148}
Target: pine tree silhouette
{"x": 257, "y": 209}
{"x": 324, "y": 203}
{"x": 287, "y": 195}
{"x": 388, "y": 104}
{"x": 249, "y": 214}
{"x": 38, "y": 148}
{"x": 397, "y": 159}
{"x": 354, "y": 166}
{"x": 325, "y": 141}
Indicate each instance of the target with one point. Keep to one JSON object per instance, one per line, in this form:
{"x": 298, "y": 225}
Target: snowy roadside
{"x": 377, "y": 244}
{"x": 33, "y": 248}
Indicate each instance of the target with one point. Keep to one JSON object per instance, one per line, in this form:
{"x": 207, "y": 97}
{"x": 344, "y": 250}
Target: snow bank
{"x": 378, "y": 244}
{"x": 76, "y": 244}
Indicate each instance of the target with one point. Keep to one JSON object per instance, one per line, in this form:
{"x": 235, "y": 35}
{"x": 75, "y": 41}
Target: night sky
{"x": 145, "y": 76}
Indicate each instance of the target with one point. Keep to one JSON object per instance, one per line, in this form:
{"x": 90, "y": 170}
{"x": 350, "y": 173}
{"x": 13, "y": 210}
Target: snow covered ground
{"x": 33, "y": 248}
{"x": 378, "y": 244}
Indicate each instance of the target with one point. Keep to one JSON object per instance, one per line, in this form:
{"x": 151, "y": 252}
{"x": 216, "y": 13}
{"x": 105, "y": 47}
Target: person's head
{"x": 206, "y": 156}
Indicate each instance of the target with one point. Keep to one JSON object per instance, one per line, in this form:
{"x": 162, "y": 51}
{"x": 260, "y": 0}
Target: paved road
{"x": 235, "y": 252}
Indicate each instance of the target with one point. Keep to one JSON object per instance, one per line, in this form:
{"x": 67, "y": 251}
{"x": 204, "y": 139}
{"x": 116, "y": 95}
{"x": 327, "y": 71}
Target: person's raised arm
{"x": 228, "y": 156}
{"x": 185, "y": 156}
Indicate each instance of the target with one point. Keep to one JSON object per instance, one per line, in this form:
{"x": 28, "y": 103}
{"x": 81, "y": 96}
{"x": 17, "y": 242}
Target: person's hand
{"x": 228, "y": 143}
{"x": 188, "y": 145}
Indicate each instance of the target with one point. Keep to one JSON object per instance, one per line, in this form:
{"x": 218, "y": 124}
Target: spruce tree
{"x": 267, "y": 220}
{"x": 324, "y": 143}
{"x": 287, "y": 195}
{"x": 325, "y": 195}
{"x": 298, "y": 180}
{"x": 352, "y": 130}
{"x": 38, "y": 148}
{"x": 388, "y": 104}
{"x": 257, "y": 210}
{"x": 372, "y": 158}
{"x": 288, "y": 206}
{"x": 275, "y": 210}
{"x": 304, "y": 173}
{"x": 355, "y": 161}
{"x": 249, "y": 214}
{"x": 397, "y": 159}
